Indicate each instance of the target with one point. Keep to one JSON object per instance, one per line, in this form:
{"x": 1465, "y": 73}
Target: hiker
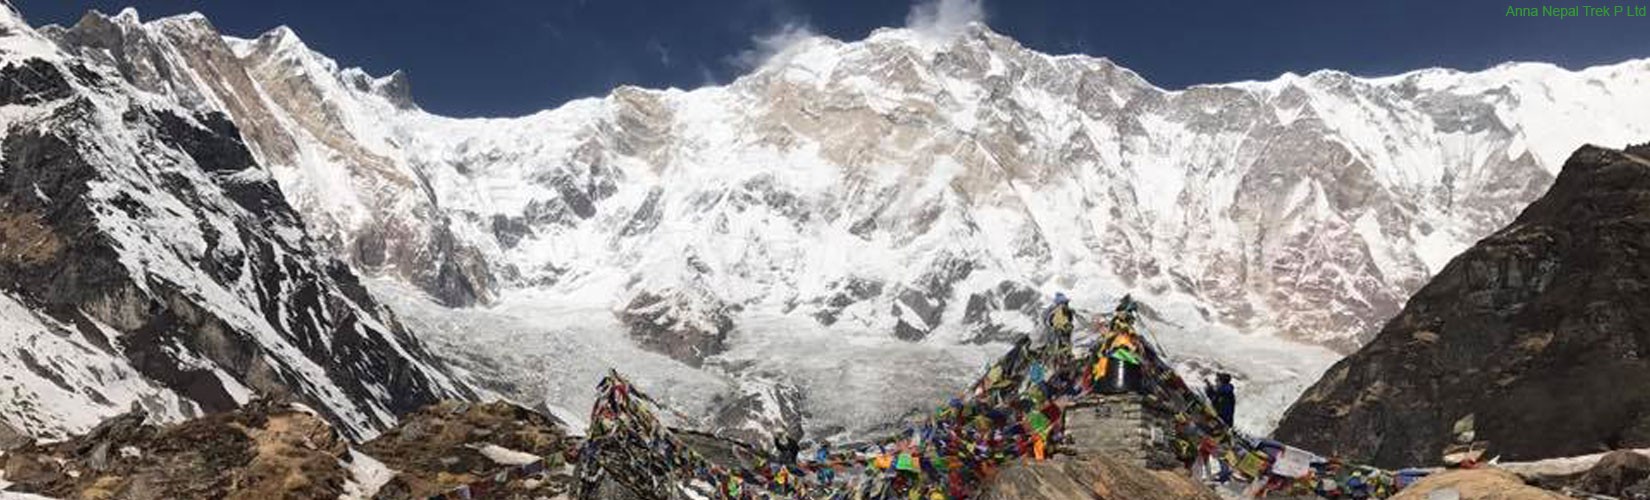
{"x": 1223, "y": 396}
{"x": 822, "y": 458}
{"x": 786, "y": 448}
{"x": 1128, "y": 305}
{"x": 1060, "y": 321}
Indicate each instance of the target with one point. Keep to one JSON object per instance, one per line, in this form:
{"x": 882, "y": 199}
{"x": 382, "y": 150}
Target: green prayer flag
{"x": 905, "y": 463}
{"x": 1039, "y": 422}
{"x": 1126, "y": 356}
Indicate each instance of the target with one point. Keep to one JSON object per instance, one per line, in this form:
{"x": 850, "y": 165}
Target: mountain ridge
{"x": 147, "y": 260}
{"x": 903, "y": 188}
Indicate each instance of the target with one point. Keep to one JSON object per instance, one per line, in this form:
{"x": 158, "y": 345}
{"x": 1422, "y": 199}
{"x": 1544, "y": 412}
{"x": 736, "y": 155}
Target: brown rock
{"x": 437, "y": 448}
{"x": 1615, "y": 473}
{"x": 10, "y": 438}
{"x": 1477, "y": 484}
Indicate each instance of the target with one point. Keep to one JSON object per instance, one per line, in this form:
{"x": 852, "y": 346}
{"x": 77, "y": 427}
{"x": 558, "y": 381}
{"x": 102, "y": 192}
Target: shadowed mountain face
{"x": 147, "y": 258}
{"x": 1541, "y": 330}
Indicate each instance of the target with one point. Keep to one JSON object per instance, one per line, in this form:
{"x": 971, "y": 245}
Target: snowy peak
{"x": 10, "y": 17}
{"x": 283, "y": 39}
{"x": 396, "y": 87}
{"x": 282, "y": 45}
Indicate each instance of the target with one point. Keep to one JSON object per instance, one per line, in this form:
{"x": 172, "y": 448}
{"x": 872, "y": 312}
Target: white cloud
{"x": 706, "y": 77}
{"x": 662, "y": 51}
{"x": 765, "y": 47}
{"x": 943, "y": 18}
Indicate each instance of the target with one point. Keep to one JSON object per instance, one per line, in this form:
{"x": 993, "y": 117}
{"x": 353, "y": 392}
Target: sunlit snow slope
{"x": 865, "y": 222}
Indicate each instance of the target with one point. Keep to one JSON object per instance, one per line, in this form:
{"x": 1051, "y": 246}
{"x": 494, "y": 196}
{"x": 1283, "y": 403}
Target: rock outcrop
{"x": 1541, "y": 330}
{"x": 269, "y": 449}
{"x": 262, "y": 450}
{"x": 441, "y": 447}
{"x": 1620, "y": 474}
{"x": 1479, "y": 484}
{"x": 1623, "y": 474}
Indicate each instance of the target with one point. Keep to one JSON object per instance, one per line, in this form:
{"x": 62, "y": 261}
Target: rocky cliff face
{"x": 1539, "y": 331}
{"x": 146, "y": 257}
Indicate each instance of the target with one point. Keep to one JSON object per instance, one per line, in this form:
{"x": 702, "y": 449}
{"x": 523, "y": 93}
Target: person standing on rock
{"x": 822, "y": 460}
{"x": 786, "y": 448}
{"x": 1223, "y": 396}
{"x": 1059, "y": 321}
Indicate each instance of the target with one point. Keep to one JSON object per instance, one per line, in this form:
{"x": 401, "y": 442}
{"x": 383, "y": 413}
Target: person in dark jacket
{"x": 1223, "y": 396}
{"x": 787, "y": 448}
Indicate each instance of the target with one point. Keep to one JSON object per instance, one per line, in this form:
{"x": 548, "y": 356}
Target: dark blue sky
{"x": 511, "y": 57}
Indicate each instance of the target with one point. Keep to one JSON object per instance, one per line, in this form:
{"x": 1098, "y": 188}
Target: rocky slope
{"x": 263, "y": 450}
{"x": 267, "y": 449}
{"x": 146, "y": 257}
{"x": 443, "y": 446}
{"x": 1539, "y": 331}
{"x": 913, "y": 188}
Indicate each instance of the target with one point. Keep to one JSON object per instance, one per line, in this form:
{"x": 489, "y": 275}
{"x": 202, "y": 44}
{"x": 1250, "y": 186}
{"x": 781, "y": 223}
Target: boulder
{"x": 1476, "y": 484}
{"x": 11, "y": 437}
{"x": 1616, "y": 474}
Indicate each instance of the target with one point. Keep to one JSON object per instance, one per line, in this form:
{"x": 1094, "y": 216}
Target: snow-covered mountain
{"x": 147, "y": 260}
{"x": 856, "y": 223}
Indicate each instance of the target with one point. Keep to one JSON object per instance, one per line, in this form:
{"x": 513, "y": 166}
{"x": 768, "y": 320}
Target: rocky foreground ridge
{"x": 270, "y": 449}
{"x": 283, "y": 450}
